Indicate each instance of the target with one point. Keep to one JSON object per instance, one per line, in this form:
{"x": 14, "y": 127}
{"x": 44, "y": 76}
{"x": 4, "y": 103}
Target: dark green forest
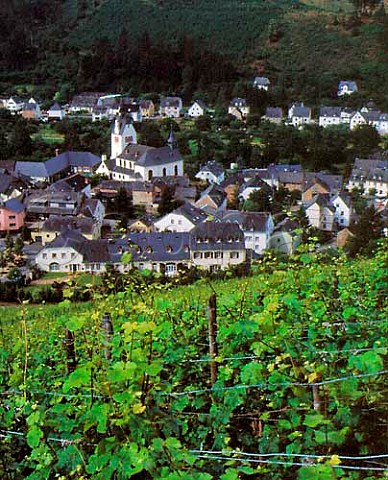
{"x": 213, "y": 49}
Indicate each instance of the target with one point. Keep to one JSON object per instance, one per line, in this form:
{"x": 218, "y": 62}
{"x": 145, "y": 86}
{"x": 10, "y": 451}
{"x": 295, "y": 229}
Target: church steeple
{"x": 171, "y": 142}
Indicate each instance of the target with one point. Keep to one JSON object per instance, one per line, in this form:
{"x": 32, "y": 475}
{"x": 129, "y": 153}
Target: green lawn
{"x": 48, "y": 135}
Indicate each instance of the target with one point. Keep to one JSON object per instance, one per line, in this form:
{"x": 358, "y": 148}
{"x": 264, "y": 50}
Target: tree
{"x": 367, "y": 231}
{"x": 167, "y": 203}
{"x": 258, "y": 201}
{"x": 19, "y": 140}
{"x": 364, "y": 140}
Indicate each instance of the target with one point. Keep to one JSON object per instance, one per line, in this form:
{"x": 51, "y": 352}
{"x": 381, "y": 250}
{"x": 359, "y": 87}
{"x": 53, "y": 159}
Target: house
{"x": 231, "y": 186}
{"x": 10, "y": 186}
{"x": 145, "y": 195}
{"x": 343, "y": 237}
{"x": 298, "y": 114}
{"x": 163, "y": 252}
{"x": 170, "y": 107}
{"x": 92, "y": 208}
{"x": 320, "y": 212}
{"x": 291, "y": 180}
{"x": 253, "y": 185}
{"x": 182, "y": 219}
{"x": 239, "y": 108}
{"x": 370, "y": 176}
{"x": 40, "y": 204}
{"x": 73, "y": 183}
{"x": 330, "y": 116}
{"x": 57, "y": 167}
{"x": 346, "y": 87}
{"x": 257, "y": 228}
{"x": 12, "y": 215}
{"x": 31, "y": 110}
{"x": 213, "y": 199}
{"x": 107, "y": 107}
{"x": 374, "y": 118}
{"x": 147, "y": 108}
{"x": 286, "y": 237}
{"x": 321, "y": 182}
{"x": 84, "y": 102}
{"x": 71, "y": 252}
{"x": 133, "y": 110}
{"x": 273, "y": 115}
{"x": 144, "y": 224}
{"x": 211, "y": 172}
{"x": 197, "y": 109}
{"x": 343, "y": 209}
{"x": 45, "y": 232}
{"x": 217, "y": 245}
{"x": 14, "y": 104}
{"x": 55, "y": 112}
{"x": 261, "y": 83}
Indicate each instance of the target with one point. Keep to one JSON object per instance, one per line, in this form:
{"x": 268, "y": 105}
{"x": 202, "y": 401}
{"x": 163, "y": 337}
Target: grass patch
{"x": 47, "y": 135}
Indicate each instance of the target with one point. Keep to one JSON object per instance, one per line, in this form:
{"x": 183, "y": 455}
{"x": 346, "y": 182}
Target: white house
{"x": 261, "y": 83}
{"x": 182, "y": 219}
{"x": 320, "y": 212}
{"x": 299, "y": 115}
{"x": 346, "y": 87}
{"x": 239, "y": 108}
{"x": 329, "y": 116}
{"x": 171, "y": 107}
{"x": 211, "y": 172}
{"x": 257, "y": 228}
{"x": 343, "y": 209}
{"x": 14, "y": 104}
{"x": 56, "y": 112}
{"x": 197, "y": 109}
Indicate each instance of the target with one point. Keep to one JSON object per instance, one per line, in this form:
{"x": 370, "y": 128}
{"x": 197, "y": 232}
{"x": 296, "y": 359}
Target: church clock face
{"x": 117, "y": 139}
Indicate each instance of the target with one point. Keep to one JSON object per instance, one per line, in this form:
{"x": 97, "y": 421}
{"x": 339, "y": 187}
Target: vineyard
{"x": 281, "y": 375}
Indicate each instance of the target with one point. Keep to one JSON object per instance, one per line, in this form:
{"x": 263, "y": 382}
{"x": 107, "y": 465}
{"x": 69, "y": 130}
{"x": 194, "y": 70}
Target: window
{"x": 170, "y": 268}
{"x": 53, "y": 255}
{"x": 44, "y": 256}
{"x": 63, "y": 255}
{"x": 208, "y": 255}
{"x": 197, "y": 254}
{"x": 12, "y": 225}
{"x": 54, "y": 267}
{"x": 72, "y": 254}
{"x": 234, "y": 254}
{"x": 172, "y": 221}
{"x": 12, "y": 217}
{"x": 218, "y": 255}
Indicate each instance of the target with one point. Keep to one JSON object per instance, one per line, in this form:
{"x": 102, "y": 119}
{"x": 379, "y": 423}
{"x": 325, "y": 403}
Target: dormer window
{"x": 168, "y": 248}
{"x": 149, "y": 250}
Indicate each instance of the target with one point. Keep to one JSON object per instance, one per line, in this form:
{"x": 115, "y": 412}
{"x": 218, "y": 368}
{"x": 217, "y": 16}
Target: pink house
{"x": 11, "y": 215}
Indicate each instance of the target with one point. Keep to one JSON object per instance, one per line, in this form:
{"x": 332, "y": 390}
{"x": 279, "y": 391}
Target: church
{"x": 131, "y": 162}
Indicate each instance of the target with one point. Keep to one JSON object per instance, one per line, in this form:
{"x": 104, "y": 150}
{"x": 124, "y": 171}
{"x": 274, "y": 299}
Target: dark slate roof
{"x": 75, "y": 183}
{"x": 59, "y": 223}
{"x": 89, "y": 207}
{"x": 300, "y": 111}
{"x": 30, "y": 107}
{"x": 235, "y": 179}
{"x": 158, "y": 156}
{"x": 322, "y": 200}
{"x": 248, "y": 221}
{"x": 217, "y": 235}
{"x": 5, "y": 182}
{"x": 85, "y": 99}
{"x": 133, "y": 151}
{"x": 330, "y": 112}
{"x": 256, "y": 182}
{"x": 291, "y": 177}
{"x": 273, "y": 112}
{"x": 146, "y": 103}
{"x": 123, "y": 121}
{"x": 172, "y": 181}
{"x": 201, "y": 103}
{"x": 261, "y": 81}
{"x": 160, "y": 246}
{"x": 192, "y": 213}
{"x": 332, "y": 182}
{"x": 175, "y": 102}
{"x": 14, "y": 205}
{"x": 55, "y": 107}
{"x": 238, "y": 102}
{"x": 352, "y": 85}
{"x": 213, "y": 167}
{"x": 68, "y": 238}
{"x": 286, "y": 225}
{"x": 216, "y": 193}
{"x": 56, "y": 164}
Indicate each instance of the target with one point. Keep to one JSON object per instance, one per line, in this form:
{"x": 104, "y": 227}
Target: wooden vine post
{"x": 107, "y": 329}
{"x": 71, "y": 361}
{"x": 213, "y": 348}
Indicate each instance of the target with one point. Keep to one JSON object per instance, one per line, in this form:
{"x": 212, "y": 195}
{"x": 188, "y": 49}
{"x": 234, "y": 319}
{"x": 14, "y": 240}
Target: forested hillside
{"x": 292, "y": 387}
{"x": 189, "y": 47}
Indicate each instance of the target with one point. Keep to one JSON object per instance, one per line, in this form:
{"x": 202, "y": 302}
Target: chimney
{"x": 56, "y": 152}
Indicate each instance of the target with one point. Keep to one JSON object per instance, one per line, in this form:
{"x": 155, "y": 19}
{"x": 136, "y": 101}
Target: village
{"x": 138, "y": 207}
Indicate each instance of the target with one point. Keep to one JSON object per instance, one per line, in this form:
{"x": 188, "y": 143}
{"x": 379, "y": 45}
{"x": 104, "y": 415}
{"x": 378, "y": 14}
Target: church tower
{"x": 122, "y": 134}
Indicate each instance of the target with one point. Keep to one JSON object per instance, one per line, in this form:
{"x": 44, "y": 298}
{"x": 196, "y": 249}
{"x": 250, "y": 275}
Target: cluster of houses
{"x": 100, "y": 106}
{"x": 71, "y": 231}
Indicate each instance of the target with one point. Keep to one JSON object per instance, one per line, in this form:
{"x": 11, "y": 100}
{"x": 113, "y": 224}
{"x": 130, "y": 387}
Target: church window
{"x": 176, "y": 170}
{"x": 164, "y": 172}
